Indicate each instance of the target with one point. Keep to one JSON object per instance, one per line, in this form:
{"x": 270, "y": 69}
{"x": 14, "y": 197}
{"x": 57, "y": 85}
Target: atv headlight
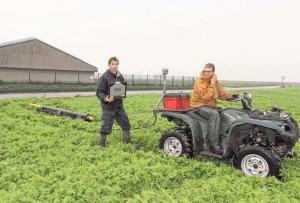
{"x": 286, "y": 128}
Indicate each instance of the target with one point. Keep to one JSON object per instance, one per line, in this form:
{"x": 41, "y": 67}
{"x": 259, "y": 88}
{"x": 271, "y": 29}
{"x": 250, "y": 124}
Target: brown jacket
{"x": 206, "y": 94}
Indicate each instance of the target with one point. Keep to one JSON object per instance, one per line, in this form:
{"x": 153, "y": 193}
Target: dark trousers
{"x": 213, "y": 117}
{"x": 108, "y": 117}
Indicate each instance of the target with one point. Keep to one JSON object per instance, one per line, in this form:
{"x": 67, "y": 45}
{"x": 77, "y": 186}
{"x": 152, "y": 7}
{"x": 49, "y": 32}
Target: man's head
{"x": 113, "y": 64}
{"x": 209, "y": 70}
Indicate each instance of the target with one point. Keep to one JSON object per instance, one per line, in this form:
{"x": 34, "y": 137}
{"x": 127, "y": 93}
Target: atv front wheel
{"x": 175, "y": 143}
{"x": 257, "y": 161}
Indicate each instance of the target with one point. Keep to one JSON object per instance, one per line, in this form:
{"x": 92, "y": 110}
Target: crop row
{"x": 45, "y": 158}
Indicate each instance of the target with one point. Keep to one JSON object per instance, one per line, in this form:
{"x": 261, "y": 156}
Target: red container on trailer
{"x": 176, "y": 101}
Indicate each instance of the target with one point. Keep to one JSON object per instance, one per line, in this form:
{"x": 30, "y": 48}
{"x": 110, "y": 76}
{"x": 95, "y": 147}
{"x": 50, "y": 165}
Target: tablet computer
{"x": 117, "y": 89}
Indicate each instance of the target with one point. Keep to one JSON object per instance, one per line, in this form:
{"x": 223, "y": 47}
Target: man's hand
{"x": 109, "y": 98}
{"x": 213, "y": 79}
{"x": 233, "y": 97}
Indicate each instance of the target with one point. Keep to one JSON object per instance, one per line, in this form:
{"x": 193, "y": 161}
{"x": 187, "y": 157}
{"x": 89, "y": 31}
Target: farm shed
{"x": 34, "y": 60}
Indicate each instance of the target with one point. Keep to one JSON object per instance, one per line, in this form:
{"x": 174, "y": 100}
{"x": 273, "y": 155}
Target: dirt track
{"x": 72, "y": 94}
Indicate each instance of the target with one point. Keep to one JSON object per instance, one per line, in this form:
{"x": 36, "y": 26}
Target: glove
{"x": 234, "y": 97}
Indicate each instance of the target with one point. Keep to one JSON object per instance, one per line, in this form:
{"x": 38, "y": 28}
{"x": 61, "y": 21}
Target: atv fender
{"x": 199, "y": 131}
{"x": 268, "y": 126}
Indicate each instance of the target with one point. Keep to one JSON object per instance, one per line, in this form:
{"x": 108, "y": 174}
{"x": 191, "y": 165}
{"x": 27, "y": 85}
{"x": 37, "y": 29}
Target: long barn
{"x": 34, "y": 60}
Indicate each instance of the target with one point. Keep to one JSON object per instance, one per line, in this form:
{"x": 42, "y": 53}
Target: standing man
{"x": 206, "y": 91}
{"x": 112, "y": 108}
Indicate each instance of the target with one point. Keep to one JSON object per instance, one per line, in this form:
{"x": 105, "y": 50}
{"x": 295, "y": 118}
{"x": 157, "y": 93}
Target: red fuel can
{"x": 176, "y": 101}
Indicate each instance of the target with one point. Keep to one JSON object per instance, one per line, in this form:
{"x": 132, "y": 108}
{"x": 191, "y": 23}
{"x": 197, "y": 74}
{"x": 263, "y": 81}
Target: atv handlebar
{"x": 245, "y": 99}
{"x": 242, "y": 96}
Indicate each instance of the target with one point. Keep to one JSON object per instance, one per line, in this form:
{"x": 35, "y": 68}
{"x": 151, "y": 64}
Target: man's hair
{"x": 113, "y": 59}
{"x": 210, "y": 65}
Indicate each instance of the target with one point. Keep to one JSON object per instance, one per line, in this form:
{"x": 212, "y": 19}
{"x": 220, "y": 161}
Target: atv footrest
{"x": 206, "y": 153}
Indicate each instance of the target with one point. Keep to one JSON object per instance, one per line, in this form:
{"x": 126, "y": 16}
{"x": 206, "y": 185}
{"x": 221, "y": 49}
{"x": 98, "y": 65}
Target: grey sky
{"x": 255, "y": 40}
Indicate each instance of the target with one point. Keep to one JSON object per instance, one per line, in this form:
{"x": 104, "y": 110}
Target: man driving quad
{"x": 206, "y": 91}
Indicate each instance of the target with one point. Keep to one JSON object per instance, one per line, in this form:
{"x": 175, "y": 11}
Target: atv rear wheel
{"x": 175, "y": 142}
{"x": 257, "y": 161}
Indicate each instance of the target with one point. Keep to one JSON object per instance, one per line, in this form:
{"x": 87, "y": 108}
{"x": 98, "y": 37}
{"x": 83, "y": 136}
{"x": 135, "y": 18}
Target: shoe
{"x": 217, "y": 150}
{"x": 206, "y": 147}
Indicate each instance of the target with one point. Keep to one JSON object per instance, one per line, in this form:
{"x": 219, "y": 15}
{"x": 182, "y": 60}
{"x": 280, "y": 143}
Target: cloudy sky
{"x": 250, "y": 40}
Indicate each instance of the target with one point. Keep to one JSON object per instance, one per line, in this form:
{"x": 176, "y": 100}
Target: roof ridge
{"x": 17, "y": 41}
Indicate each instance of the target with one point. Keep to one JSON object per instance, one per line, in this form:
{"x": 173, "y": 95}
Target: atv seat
{"x": 196, "y": 116}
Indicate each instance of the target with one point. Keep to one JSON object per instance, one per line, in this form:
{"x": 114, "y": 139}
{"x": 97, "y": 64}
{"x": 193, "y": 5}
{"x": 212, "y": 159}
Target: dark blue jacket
{"x": 103, "y": 90}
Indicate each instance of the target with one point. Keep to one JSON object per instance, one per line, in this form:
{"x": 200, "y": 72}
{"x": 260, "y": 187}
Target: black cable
{"x": 145, "y": 126}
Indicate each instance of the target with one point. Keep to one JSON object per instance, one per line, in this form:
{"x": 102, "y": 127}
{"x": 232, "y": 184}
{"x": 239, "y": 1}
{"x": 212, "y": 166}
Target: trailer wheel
{"x": 257, "y": 161}
{"x": 175, "y": 143}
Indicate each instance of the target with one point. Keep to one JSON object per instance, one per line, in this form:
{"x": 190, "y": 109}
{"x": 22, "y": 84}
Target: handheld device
{"x": 117, "y": 89}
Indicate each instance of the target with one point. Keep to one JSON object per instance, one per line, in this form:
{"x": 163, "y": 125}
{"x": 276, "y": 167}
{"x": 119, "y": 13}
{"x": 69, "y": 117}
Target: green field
{"x": 46, "y": 158}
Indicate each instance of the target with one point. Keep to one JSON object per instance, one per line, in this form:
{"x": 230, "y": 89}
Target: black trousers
{"x": 108, "y": 117}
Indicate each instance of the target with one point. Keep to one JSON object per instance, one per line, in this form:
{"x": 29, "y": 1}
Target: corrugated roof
{"x": 32, "y": 39}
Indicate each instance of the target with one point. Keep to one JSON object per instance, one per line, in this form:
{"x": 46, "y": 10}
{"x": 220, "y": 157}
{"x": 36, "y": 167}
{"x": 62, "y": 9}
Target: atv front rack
{"x": 159, "y": 109}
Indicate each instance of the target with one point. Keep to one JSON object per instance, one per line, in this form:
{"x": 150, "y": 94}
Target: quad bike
{"x": 256, "y": 140}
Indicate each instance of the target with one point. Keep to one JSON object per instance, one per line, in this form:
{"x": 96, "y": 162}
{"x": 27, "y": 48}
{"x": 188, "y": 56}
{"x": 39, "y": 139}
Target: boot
{"x": 206, "y": 146}
{"x": 126, "y": 136}
{"x": 102, "y": 140}
{"x": 217, "y": 150}
{"x": 127, "y": 140}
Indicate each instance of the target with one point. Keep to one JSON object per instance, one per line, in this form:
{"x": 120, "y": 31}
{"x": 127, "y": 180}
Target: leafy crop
{"x": 45, "y": 158}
